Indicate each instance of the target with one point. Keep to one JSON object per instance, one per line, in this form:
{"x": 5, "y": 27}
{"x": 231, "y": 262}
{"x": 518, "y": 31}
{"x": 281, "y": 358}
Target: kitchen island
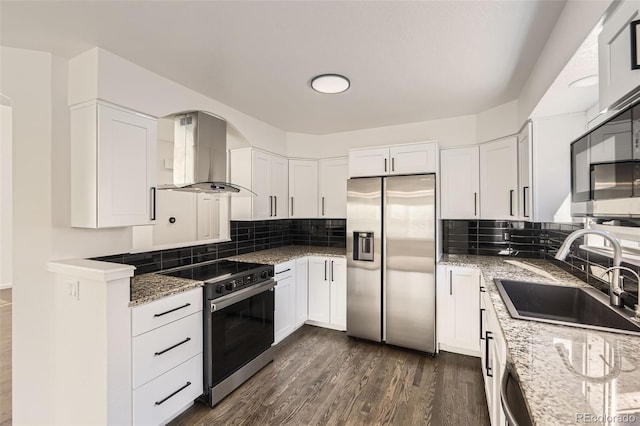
{"x": 568, "y": 375}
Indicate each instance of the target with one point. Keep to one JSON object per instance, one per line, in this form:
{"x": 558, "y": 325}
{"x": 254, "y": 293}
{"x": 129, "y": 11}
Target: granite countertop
{"x": 283, "y": 254}
{"x": 568, "y": 375}
{"x": 153, "y": 286}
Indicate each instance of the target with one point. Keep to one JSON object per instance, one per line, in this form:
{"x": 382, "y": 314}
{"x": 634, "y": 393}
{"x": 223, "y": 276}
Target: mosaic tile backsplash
{"x": 246, "y": 237}
{"x": 532, "y": 240}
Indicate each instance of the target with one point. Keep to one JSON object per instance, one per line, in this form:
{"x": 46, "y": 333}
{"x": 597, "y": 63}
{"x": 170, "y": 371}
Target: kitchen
{"x": 42, "y": 231}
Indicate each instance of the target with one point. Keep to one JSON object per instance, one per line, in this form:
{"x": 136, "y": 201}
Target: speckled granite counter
{"x": 149, "y": 287}
{"x": 568, "y": 375}
{"x": 283, "y": 254}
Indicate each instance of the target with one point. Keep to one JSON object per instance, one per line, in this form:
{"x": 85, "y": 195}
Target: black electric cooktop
{"x": 215, "y": 271}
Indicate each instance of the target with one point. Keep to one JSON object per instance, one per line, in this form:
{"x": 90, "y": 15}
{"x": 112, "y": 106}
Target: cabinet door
{"x": 460, "y": 183}
{"x": 208, "y": 219}
{"x": 333, "y": 188}
{"x": 319, "y": 290}
{"x": 414, "y": 158}
{"x": 302, "y": 291}
{"x": 261, "y": 185}
{"x": 179, "y": 206}
{"x": 338, "y": 278}
{"x": 525, "y": 197}
{"x": 369, "y": 162}
{"x": 280, "y": 187}
{"x": 126, "y": 168}
{"x": 284, "y": 308}
{"x": 303, "y": 188}
{"x": 616, "y": 77}
{"x": 499, "y": 179}
{"x": 462, "y": 304}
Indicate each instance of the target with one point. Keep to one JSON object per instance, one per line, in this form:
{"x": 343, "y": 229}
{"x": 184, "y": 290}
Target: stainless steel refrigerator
{"x": 391, "y": 235}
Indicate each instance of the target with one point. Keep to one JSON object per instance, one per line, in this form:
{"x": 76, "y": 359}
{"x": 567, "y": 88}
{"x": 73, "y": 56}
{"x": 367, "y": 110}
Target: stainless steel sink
{"x": 572, "y": 306}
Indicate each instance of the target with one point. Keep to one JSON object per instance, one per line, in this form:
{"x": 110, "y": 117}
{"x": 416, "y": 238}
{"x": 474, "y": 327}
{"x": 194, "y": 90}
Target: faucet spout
{"x": 615, "y": 291}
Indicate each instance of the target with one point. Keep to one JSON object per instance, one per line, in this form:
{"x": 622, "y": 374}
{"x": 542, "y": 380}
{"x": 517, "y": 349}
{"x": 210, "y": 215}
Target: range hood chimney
{"x": 200, "y": 154}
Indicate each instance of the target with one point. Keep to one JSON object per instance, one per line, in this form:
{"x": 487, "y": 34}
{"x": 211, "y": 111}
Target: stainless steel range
{"x": 238, "y": 322}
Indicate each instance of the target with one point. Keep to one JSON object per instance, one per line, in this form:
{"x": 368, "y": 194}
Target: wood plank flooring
{"x": 323, "y": 377}
{"x": 5, "y": 356}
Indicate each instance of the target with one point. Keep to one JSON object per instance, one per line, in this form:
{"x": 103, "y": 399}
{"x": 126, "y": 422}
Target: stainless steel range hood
{"x": 200, "y": 154}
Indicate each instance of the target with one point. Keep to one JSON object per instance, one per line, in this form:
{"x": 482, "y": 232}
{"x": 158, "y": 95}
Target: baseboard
{"x": 6, "y": 286}
{"x": 325, "y": 325}
{"x": 461, "y": 351}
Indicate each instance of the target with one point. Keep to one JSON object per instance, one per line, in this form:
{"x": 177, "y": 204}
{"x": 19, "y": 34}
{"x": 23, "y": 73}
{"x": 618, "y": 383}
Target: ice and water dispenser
{"x": 363, "y": 246}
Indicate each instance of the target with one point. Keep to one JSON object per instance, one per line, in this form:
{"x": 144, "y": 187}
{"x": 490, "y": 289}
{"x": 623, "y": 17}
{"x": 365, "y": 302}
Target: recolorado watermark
{"x": 592, "y": 418}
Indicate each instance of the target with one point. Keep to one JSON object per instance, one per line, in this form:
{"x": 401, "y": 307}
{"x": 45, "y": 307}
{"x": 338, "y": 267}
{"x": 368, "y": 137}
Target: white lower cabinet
{"x": 328, "y": 292}
{"x": 285, "y": 300}
{"x": 493, "y": 356}
{"x": 458, "y": 306}
{"x": 302, "y": 291}
{"x": 166, "y": 357}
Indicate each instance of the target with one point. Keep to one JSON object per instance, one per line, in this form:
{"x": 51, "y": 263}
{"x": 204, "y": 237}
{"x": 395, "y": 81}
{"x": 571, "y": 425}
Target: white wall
{"x": 448, "y": 132}
{"x": 574, "y": 24}
{"x": 497, "y": 122}
{"x": 98, "y": 73}
{"x": 25, "y": 77}
{"x": 6, "y": 209}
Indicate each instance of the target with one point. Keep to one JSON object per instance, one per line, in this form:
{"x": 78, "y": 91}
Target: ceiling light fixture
{"x": 587, "y": 81}
{"x": 330, "y": 83}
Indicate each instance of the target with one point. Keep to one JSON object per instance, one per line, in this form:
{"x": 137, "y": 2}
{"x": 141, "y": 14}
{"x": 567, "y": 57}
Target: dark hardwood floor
{"x": 323, "y": 377}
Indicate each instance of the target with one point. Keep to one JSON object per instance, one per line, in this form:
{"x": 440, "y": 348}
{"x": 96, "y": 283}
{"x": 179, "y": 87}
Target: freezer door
{"x": 409, "y": 261}
{"x": 364, "y": 261}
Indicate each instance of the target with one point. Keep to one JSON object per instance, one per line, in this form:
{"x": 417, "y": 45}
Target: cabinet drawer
{"x": 161, "y": 349}
{"x": 164, "y": 311}
{"x": 284, "y": 270}
{"x": 163, "y": 398}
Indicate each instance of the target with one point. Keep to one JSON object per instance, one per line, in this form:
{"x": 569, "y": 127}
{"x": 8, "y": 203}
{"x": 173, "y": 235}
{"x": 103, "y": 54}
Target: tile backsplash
{"x": 532, "y": 240}
{"x": 246, "y": 237}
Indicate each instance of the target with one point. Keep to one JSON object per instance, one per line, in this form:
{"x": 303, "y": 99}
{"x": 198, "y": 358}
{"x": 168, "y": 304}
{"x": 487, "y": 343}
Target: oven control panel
{"x": 237, "y": 282}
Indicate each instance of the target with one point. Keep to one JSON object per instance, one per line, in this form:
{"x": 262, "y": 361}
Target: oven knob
{"x": 229, "y": 286}
{"x": 264, "y": 274}
{"x": 219, "y": 289}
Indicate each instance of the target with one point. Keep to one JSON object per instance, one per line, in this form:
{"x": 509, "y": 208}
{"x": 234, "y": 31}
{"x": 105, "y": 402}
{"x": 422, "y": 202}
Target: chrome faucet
{"x": 615, "y": 290}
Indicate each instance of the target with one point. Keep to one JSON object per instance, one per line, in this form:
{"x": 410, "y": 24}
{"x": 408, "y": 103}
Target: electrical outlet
{"x": 73, "y": 289}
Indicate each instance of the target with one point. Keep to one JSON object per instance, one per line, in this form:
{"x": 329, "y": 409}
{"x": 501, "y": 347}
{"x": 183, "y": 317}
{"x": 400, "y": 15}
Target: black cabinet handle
{"x": 393, "y": 164}
{"x": 486, "y": 355}
{"x": 291, "y": 206}
{"x": 270, "y": 206}
{"x": 325, "y": 270}
{"x": 173, "y": 394}
{"x": 188, "y": 339}
{"x": 475, "y": 204}
{"x": 525, "y": 189}
{"x": 282, "y": 272}
{"x": 153, "y": 203}
{"x": 450, "y": 283}
{"x": 481, "y": 321}
{"x": 482, "y": 290}
{"x": 385, "y": 164}
{"x": 332, "y": 270}
{"x": 172, "y": 310}
{"x": 322, "y": 206}
{"x": 511, "y": 202}
{"x": 275, "y": 205}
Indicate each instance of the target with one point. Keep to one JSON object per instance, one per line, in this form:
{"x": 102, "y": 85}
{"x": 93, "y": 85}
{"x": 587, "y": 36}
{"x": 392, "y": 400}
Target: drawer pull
{"x": 173, "y": 394}
{"x": 172, "y": 310}
{"x": 173, "y": 347}
{"x": 282, "y": 272}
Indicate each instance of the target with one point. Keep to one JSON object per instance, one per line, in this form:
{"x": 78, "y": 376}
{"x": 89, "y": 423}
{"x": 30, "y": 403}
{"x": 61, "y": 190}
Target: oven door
{"x": 238, "y": 328}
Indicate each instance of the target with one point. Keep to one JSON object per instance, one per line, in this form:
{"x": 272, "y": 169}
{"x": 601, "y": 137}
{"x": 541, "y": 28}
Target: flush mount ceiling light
{"x": 588, "y": 81}
{"x": 330, "y": 83}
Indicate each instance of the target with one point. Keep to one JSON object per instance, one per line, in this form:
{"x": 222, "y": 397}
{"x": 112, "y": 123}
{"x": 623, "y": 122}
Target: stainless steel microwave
{"x": 605, "y": 168}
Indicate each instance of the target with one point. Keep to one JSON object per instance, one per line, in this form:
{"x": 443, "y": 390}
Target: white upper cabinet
{"x": 267, "y": 175}
{"x": 525, "y": 197}
{"x": 113, "y": 166}
{"x": 460, "y": 183}
{"x": 499, "y": 179}
{"x": 333, "y": 175}
{"x": 303, "y": 188}
{"x": 394, "y": 160}
{"x": 414, "y": 158}
{"x": 616, "y": 76}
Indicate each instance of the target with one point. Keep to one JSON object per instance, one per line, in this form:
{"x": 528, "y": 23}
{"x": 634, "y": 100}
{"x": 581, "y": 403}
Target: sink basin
{"x": 572, "y": 306}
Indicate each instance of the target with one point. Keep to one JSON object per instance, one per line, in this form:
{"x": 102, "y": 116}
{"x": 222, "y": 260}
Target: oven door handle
{"x": 238, "y": 296}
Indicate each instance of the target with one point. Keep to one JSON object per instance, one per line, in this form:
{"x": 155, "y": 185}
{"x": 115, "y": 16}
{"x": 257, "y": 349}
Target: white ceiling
{"x": 407, "y": 61}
